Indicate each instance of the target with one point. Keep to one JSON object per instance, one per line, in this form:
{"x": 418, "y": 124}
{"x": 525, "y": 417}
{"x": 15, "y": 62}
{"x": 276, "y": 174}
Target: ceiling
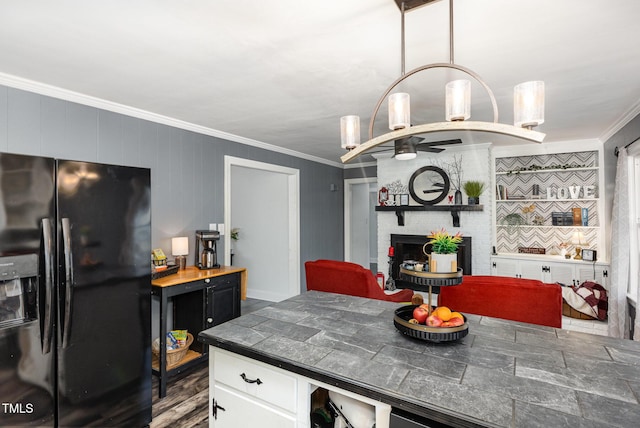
{"x": 283, "y": 72}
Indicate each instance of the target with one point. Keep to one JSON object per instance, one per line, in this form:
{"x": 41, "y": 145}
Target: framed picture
{"x": 589, "y": 255}
{"x": 404, "y": 199}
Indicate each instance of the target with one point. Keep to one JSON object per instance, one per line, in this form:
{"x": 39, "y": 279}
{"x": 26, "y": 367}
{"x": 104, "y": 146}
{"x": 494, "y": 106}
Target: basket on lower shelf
{"x": 568, "y": 311}
{"x": 174, "y": 355}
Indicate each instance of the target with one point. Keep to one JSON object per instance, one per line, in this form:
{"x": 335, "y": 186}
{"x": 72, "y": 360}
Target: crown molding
{"x": 87, "y": 100}
{"x": 627, "y": 117}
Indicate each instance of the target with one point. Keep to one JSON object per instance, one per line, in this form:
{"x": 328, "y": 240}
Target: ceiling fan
{"x": 407, "y": 147}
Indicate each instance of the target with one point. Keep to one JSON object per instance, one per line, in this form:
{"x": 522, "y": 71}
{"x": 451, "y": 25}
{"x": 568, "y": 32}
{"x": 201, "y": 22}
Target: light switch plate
{"x": 221, "y": 228}
{"x": 213, "y": 226}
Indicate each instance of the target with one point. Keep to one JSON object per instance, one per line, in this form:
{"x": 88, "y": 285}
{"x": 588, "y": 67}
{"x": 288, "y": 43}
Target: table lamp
{"x": 180, "y": 248}
{"x": 578, "y": 240}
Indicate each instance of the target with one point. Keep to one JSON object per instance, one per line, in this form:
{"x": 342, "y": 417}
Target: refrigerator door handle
{"x": 68, "y": 274}
{"x": 47, "y": 239}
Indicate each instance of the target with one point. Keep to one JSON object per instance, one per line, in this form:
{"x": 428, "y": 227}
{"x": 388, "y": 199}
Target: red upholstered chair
{"x": 335, "y": 276}
{"x": 525, "y": 300}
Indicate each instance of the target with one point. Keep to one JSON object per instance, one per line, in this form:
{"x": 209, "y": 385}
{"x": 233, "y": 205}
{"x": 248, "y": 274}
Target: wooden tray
{"x": 168, "y": 271}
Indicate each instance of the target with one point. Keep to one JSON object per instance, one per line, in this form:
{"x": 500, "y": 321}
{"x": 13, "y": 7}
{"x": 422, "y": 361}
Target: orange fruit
{"x": 443, "y": 313}
{"x": 457, "y": 315}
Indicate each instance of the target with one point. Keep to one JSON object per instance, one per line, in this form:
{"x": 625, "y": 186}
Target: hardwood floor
{"x": 187, "y": 401}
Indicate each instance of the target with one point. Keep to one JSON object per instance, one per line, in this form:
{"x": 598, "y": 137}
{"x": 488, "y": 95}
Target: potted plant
{"x": 235, "y": 235}
{"x": 444, "y": 248}
{"x": 473, "y": 189}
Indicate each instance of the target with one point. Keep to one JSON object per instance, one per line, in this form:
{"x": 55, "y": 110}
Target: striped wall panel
{"x": 519, "y": 225}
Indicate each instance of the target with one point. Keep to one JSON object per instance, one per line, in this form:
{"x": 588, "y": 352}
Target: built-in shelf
{"x": 454, "y": 209}
{"x": 543, "y": 170}
{"x": 548, "y": 200}
{"x": 547, "y": 225}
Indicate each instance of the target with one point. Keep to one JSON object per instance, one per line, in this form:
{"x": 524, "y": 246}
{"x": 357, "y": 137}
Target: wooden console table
{"x": 201, "y": 299}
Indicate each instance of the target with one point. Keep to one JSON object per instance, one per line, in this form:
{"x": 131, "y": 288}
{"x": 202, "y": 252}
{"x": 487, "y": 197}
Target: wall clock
{"x": 429, "y": 185}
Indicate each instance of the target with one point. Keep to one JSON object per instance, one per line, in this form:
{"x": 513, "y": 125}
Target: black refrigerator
{"x": 75, "y": 293}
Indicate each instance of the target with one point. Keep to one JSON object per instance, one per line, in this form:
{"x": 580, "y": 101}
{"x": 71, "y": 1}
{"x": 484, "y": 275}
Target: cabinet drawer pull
{"x": 244, "y": 377}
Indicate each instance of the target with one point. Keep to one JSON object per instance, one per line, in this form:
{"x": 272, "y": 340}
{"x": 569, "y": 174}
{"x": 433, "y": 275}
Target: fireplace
{"x": 409, "y": 247}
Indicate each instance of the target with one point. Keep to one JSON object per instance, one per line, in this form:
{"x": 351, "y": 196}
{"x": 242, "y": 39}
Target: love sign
{"x": 572, "y": 192}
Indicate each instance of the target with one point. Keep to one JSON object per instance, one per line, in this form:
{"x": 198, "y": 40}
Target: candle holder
{"x": 391, "y": 283}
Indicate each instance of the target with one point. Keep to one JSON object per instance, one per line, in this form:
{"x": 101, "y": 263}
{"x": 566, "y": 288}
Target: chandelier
{"x": 528, "y": 108}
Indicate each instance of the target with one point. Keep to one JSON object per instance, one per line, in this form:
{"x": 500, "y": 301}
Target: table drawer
{"x": 256, "y": 379}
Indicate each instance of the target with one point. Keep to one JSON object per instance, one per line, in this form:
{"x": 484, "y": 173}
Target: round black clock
{"x": 429, "y": 185}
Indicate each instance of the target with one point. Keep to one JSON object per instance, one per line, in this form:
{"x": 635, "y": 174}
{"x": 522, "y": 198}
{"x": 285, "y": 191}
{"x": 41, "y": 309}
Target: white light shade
{"x": 180, "y": 246}
{"x": 578, "y": 238}
{"x": 350, "y": 131}
{"x": 399, "y": 111}
{"x": 528, "y": 104}
{"x": 458, "y": 100}
{"x": 406, "y": 156}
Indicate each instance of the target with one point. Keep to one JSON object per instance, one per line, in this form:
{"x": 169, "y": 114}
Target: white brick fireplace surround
{"x": 476, "y": 163}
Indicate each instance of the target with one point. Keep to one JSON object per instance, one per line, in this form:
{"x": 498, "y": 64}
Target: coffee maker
{"x": 208, "y": 257}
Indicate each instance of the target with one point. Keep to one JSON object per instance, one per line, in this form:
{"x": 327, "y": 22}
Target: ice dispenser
{"x": 18, "y": 284}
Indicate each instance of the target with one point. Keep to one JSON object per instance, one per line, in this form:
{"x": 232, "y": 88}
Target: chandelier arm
{"x": 451, "y": 61}
{"x": 427, "y": 67}
{"x": 463, "y": 125}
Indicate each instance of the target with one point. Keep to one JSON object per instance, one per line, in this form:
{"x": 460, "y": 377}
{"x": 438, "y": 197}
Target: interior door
{"x": 262, "y": 201}
{"x": 361, "y": 226}
{"x": 359, "y": 222}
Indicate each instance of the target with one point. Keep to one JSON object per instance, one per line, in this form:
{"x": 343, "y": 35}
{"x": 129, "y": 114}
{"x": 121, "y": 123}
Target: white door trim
{"x": 293, "y": 180}
{"x": 348, "y": 182}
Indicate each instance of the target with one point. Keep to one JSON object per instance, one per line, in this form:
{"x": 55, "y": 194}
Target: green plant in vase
{"x": 444, "y": 243}
{"x": 473, "y": 189}
{"x": 444, "y": 248}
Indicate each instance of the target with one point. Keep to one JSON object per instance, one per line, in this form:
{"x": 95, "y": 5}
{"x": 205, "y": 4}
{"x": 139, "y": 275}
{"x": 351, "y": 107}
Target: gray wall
{"x": 186, "y": 167}
{"x": 361, "y": 172}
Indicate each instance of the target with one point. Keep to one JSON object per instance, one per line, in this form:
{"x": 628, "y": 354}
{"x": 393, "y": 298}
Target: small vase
{"x": 443, "y": 263}
{"x": 474, "y": 201}
{"x": 457, "y": 198}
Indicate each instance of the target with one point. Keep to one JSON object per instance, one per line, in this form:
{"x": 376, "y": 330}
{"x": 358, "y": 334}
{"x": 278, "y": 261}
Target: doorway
{"x": 360, "y": 222}
{"x": 262, "y": 201}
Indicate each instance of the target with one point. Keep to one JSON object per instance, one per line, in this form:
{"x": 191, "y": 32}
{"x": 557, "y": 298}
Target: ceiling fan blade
{"x": 412, "y": 140}
{"x": 431, "y": 146}
{"x": 383, "y": 149}
{"x": 442, "y": 142}
{"x": 421, "y": 148}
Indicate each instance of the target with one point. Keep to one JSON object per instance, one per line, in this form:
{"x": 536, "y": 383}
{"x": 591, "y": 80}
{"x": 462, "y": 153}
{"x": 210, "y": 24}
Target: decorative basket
{"x": 568, "y": 311}
{"x": 174, "y": 355}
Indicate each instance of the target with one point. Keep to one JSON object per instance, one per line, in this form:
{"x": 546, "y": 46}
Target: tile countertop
{"x": 502, "y": 374}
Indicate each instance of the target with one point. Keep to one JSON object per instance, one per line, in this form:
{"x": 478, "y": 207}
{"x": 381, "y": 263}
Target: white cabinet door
{"x": 504, "y": 267}
{"x": 560, "y": 272}
{"x": 532, "y": 269}
{"x": 234, "y": 410}
{"x": 598, "y": 274}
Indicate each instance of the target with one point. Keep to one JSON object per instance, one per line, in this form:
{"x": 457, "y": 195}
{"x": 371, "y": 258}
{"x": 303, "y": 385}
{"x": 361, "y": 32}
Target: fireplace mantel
{"x": 455, "y": 210}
